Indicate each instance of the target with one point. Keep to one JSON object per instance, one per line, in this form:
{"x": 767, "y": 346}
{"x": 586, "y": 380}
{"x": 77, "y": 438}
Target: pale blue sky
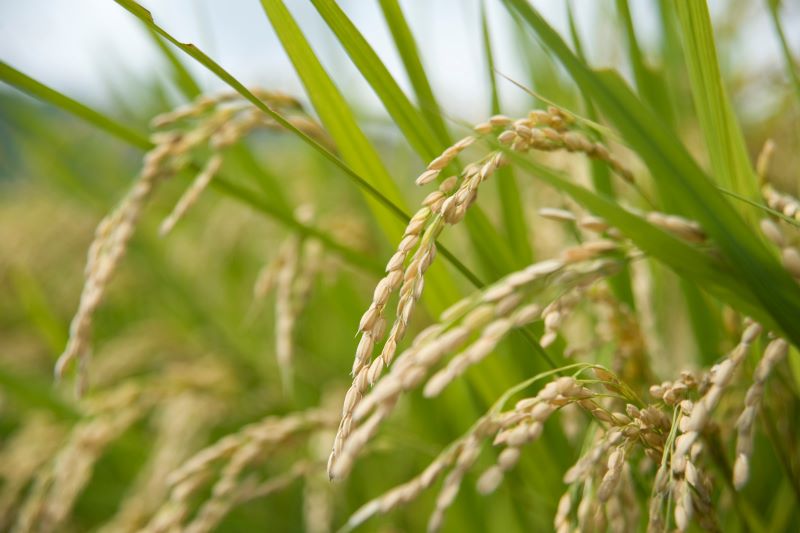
{"x": 83, "y": 46}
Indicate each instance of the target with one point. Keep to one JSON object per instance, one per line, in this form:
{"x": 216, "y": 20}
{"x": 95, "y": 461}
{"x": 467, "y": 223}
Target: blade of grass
{"x": 190, "y": 89}
{"x": 409, "y": 54}
{"x": 671, "y": 57}
{"x": 137, "y": 140}
{"x": 493, "y": 251}
{"x": 336, "y": 115}
{"x": 356, "y": 149}
{"x": 489, "y": 59}
{"x": 414, "y": 127}
{"x": 367, "y": 185}
{"x": 12, "y": 76}
{"x": 730, "y": 165}
{"x": 510, "y": 200}
{"x": 694, "y": 265}
{"x": 601, "y": 175}
{"x": 791, "y": 68}
{"x": 181, "y": 76}
{"x": 762, "y": 207}
{"x": 650, "y": 87}
{"x": 680, "y": 178}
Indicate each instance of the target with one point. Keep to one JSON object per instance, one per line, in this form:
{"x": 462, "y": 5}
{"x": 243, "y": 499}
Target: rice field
{"x": 251, "y": 309}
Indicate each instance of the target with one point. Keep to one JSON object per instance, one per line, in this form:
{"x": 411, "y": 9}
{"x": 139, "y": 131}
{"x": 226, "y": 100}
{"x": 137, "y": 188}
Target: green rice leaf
{"x": 414, "y": 127}
{"x": 367, "y": 185}
{"x": 671, "y": 57}
{"x": 493, "y": 251}
{"x": 730, "y": 165}
{"x": 12, "y": 76}
{"x": 180, "y": 74}
{"x": 39, "y": 90}
{"x": 409, "y": 54}
{"x": 510, "y": 200}
{"x": 489, "y": 57}
{"x": 680, "y": 179}
{"x": 696, "y": 266}
{"x": 649, "y": 84}
{"x": 601, "y": 174}
{"x": 336, "y": 115}
{"x": 788, "y": 60}
{"x": 341, "y": 124}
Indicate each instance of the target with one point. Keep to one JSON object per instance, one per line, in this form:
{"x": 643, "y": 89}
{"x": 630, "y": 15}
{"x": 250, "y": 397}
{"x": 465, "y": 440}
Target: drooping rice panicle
{"x": 285, "y": 309}
{"x": 782, "y": 202}
{"x": 233, "y": 456}
{"x": 774, "y": 354}
{"x": 182, "y": 424}
{"x": 210, "y": 124}
{"x": 58, "y": 486}
{"x": 191, "y": 194}
{"x": 511, "y": 429}
{"x": 494, "y": 311}
{"x": 106, "y": 251}
{"x": 420, "y": 235}
{"x": 23, "y": 455}
{"x": 541, "y": 130}
{"x": 107, "y": 416}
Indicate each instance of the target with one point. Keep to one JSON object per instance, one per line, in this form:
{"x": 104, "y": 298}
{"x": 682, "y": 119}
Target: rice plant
{"x": 579, "y": 315}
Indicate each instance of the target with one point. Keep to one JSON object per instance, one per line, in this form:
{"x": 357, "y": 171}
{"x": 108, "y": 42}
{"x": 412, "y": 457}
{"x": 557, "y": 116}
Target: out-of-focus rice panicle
{"x": 774, "y": 354}
{"x": 215, "y": 122}
{"x": 22, "y": 456}
{"x": 225, "y": 464}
